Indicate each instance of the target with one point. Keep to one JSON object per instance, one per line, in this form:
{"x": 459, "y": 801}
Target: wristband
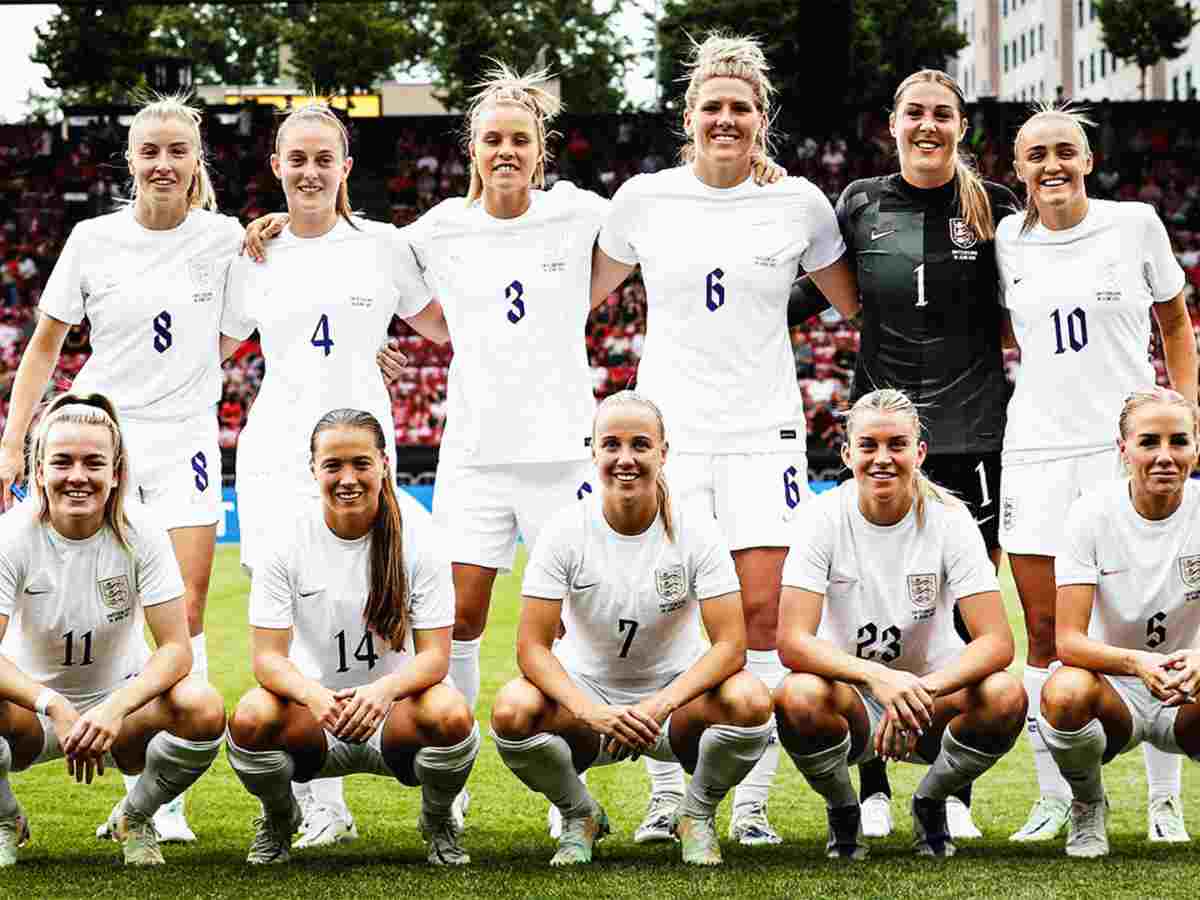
{"x": 44, "y": 699}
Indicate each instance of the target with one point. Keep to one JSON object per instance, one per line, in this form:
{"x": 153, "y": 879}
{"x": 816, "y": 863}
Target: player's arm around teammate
{"x": 351, "y": 624}
{"x": 866, "y": 627}
{"x": 75, "y": 568}
{"x": 1128, "y": 632}
{"x": 632, "y": 581}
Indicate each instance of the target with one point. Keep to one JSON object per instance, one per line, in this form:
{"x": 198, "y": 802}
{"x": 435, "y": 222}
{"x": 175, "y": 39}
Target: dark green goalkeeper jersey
{"x": 931, "y": 313}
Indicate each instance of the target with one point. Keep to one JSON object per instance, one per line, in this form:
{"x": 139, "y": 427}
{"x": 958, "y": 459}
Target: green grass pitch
{"x": 506, "y": 827}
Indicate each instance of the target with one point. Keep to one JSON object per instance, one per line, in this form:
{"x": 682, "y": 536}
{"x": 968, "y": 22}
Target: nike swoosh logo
{"x": 584, "y": 587}
{"x": 1017, "y": 281}
{"x": 882, "y": 234}
{"x": 1113, "y": 571}
{"x": 842, "y": 580}
{"x": 34, "y": 593}
{"x": 304, "y": 595}
{"x": 985, "y": 521}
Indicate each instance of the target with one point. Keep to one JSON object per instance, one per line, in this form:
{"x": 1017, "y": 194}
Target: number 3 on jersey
{"x": 321, "y": 337}
{"x": 515, "y": 293}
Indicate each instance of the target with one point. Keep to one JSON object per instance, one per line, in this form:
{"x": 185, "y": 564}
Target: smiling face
{"x": 505, "y": 148}
{"x": 349, "y": 470}
{"x": 629, "y": 452}
{"x": 724, "y": 123}
{"x": 927, "y": 125}
{"x": 77, "y": 473}
{"x": 311, "y": 165}
{"x": 163, "y": 160}
{"x": 1052, "y": 159}
{"x": 883, "y": 452}
{"x": 1159, "y": 449}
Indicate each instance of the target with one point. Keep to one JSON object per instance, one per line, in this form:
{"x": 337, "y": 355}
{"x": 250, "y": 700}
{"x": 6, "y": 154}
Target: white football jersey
{"x": 889, "y": 590}
{"x": 516, "y": 294}
{"x": 1080, "y": 304}
{"x": 1146, "y": 573}
{"x": 631, "y": 603}
{"x": 154, "y": 301}
{"x": 316, "y": 584}
{"x": 322, "y": 307}
{"x": 74, "y": 607}
{"x": 719, "y": 266}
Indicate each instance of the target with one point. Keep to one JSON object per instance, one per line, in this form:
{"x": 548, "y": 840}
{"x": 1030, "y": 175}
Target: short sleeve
{"x": 236, "y": 320}
{"x": 1005, "y": 251}
{"x": 1164, "y": 276}
{"x": 842, "y": 212}
{"x": 968, "y": 567}
{"x": 548, "y": 572}
{"x": 64, "y": 296}
{"x": 810, "y": 556}
{"x": 430, "y": 586}
{"x": 713, "y": 572}
{"x": 825, "y": 244}
{"x": 158, "y": 576}
{"x": 271, "y": 596}
{"x": 412, "y": 293}
{"x": 1076, "y": 562}
{"x": 616, "y": 236}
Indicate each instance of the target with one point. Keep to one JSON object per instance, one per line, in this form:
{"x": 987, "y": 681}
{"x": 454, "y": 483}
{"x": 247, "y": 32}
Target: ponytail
{"x": 664, "y": 505}
{"x": 973, "y": 200}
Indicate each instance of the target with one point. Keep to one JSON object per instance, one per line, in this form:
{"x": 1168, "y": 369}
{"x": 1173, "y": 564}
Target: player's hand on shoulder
{"x": 391, "y": 360}
{"x": 12, "y": 468}
{"x": 261, "y": 230}
{"x": 364, "y": 709}
{"x": 766, "y": 170}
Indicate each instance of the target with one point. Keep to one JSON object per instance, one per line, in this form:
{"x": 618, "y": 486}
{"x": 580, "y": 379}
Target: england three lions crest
{"x": 922, "y": 593}
{"x": 671, "y": 584}
{"x": 116, "y": 595}
{"x": 1189, "y": 571}
{"x": 962, "y": 234}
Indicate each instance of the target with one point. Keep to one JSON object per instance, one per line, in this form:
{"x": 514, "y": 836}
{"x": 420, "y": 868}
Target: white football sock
{"x": 1079, "y": 754}
{"x": 956, "y": 766}
{"x": 329, "y": 792}
{"x": 8, "y": 800}
{"x": 267, "y": 774}
{"x": 1050, "y": 780}
{"x": 666, "y": 778}
{"x": 443, "y": 771}
{"x": 543, "y": 763}
{"x": 1164, "y": 772}
{"x": 828, "y": 773}
{"x": 755, "y": 787}
{"x": 172, "y": 766}
{"x": 727, "y": 753}
{"x": 464, "y": 668}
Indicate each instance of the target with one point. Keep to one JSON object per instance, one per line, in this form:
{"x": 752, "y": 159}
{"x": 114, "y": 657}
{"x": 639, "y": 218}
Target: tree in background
{"x": 576, "y": 39}
{"x": 226, "y": 43}
{"x": 1145, "y": 31}
{"x": 853, "y": 51}
{"x": 97, "y": 52}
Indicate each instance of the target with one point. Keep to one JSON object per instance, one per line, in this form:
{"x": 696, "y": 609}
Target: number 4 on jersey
{"x": 321, "y": 337}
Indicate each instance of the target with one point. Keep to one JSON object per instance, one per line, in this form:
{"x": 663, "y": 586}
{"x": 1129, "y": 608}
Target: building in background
{"x": 1041, "y": 49}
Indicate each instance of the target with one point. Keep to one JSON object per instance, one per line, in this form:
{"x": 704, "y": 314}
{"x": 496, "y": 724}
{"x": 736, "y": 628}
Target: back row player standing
{"x": 1079, "y": 278}
{"x": 718, "y": 255}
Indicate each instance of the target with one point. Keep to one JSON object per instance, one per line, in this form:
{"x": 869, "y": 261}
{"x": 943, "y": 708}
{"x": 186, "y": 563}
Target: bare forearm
{"x": 1076, "y": 649}
{"x": 168, "y": 665}
{"x": 543, "y": 669}
{"x": 1179, "y": 348}
{"x": 279, "y": 675}
{"x": 808, "y": 653}
{"x": 987, "y": 654}
{"x": 32, "y": 376}
{"x": 723, "y": 660}
{"x": 17, "y": 687}
{"x": 422, "y": 672}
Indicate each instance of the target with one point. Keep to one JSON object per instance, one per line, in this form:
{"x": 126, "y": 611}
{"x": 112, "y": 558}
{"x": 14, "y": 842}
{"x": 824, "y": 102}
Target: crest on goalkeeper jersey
{"x": 962, "y": 234}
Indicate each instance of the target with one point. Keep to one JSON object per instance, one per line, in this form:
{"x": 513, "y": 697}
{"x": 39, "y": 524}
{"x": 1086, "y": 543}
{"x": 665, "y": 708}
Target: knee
{"x": 255, "y": 720}
{"x": 199, "y": 711}
{"x": 516, "y": 710}
{"x": 1006, "y": 703}
{"x": 747, "y": 701}
{"x": 451, "y": 720}
{"x": 799, "y": 699}
{"x": 1067, "y": 698}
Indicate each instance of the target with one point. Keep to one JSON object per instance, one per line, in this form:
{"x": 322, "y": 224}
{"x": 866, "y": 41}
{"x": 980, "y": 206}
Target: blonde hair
{"x": 322, "y": 114}
{"x": 1166, "y": 397}
{"x": 175, "y": 107}
{"x": 633, "y": 398}
{"x": 728, "y": 56}
{"x": 1042, "y": 110}
{"x": 968, "y": 186}
{"x": 502, "y": 84}
{"x": 386, "y": 611}
{"x": 86, "y": 409}
{"x": 897, "y": 403}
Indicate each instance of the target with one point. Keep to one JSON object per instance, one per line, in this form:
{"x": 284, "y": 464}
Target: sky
{"x": 20, "y": 75}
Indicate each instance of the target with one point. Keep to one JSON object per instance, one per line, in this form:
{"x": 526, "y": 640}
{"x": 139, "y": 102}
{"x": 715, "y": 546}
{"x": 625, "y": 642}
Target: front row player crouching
{"x": 867, "y": 626}
{"x": 351, "y": 615}
{"x": 79, "y": 567}
{"x": 1128, "y": 621}
{"x": 631, "y": 581}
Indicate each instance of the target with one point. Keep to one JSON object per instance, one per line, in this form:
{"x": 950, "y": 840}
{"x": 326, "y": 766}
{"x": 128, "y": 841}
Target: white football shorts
{"x": 176, "y": 469}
